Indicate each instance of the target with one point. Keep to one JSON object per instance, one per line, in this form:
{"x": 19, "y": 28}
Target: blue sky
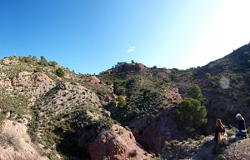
{"x": 90, "y": 36}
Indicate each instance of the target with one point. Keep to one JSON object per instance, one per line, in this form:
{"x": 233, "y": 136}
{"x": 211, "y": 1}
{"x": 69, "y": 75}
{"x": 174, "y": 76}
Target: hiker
{"x": 242, "y": 126}
{"x": 218, "y": 128}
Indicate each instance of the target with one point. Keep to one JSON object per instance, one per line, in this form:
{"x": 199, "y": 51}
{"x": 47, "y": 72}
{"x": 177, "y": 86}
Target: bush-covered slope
{"x": 65, "y": 111}
{"x": 62, "y": 115}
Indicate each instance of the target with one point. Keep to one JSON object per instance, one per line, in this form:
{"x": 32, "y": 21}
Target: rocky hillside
{"x": 15, "y": 143}
{"x": 125, "y": 112}
{"x": 60, "y": 110}
{"x": 201, "y": 148}
{"x": 151, "y": 98}
{"x": 225, "y": 84}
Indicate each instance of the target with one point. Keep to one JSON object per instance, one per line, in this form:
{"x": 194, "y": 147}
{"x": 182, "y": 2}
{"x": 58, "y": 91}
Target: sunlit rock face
{"x": 16, "y": 144}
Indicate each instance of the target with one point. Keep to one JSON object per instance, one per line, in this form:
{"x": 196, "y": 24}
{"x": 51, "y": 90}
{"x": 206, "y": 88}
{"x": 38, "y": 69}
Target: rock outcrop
{"x": 92, "y": 79}
{"x": 117, "y": 143}
{"x": 28, "y": 84}
{"x": 16, "y": 144}
{"x": 126, "y": 67}
{"x": 161, "y": 73}
{"x": 162, "y": 129}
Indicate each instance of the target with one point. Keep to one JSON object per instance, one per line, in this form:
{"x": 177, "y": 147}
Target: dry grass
{"x": 8, "y": 139}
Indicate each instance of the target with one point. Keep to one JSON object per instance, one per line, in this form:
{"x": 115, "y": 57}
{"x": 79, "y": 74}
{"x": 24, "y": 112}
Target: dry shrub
{"x": 8, "y": 139}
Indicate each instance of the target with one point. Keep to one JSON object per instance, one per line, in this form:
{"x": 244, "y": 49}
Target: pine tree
{"x": 191, "y": 113}
{"x": 195, "y": 93}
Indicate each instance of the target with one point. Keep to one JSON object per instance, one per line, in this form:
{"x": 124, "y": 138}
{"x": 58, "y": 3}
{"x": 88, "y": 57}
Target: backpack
{"x": 222, "y": 138}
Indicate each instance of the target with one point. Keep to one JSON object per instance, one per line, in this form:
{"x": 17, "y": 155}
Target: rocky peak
{"x": 128, "y": 67}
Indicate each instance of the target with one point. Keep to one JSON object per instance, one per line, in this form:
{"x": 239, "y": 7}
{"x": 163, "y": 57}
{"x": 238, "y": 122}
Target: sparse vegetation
{"x": 16, "y": 105}
{"x": 142, "y": 97}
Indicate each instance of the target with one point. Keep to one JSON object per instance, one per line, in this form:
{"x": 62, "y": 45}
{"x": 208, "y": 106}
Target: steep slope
{"x": 71, "y": 116}
{"x": 61, "y": 111}
{"x": 225, "y": 84}
{"x": 150, "y": 96}
{"x": 15, "y": 143}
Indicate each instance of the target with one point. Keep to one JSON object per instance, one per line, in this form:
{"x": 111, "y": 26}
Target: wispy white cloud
{"x": 131, "y": 49}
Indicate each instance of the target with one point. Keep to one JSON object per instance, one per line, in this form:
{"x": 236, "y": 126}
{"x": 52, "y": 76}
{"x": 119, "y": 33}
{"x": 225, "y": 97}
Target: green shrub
{"x": 214, "y": 84}
{"x": 25, "y": 59}
{"x": 230, "y": 133}
{"x": 52, "y": 155}
{"x": 38, "y": 69}
{"x": 34, "y": 57}
{"x": 2, "y": 118}
{"x": 221, "y": 157}
{"x": 51, "y": 76}
{"x": 173, "y": 142}
{"x": 43, "y": 61}
{"x": 198, "y": 137}
{"x": 127, "y": 128}
{"x": 121, "y": 102}
{"x": 248, "y": 130}
{"x": 220, "y": 92}
{"x": 207, "y": 74}
{"x": 60, "y": 72}
{"x": 53, "y": 63}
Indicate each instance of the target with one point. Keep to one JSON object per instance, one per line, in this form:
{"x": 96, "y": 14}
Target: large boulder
{"x": 117, "y": 143}
{"x": 15, "y": 143}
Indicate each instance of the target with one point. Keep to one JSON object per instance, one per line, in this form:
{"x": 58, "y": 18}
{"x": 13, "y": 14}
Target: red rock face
{"x": 162, "y": 73}
{"x": 26, "y": 79}
{"x": 163, "y": 128}
{"x": 90, "y": 78}
{"x": 116, "y": 143}
{"x": 40, "y": 77}
{"x": 134, "y": 67}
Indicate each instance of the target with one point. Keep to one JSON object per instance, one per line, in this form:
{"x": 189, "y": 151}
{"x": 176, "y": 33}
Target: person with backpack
{"x": 241, "y": 126}
{"x": 218, "y": 128}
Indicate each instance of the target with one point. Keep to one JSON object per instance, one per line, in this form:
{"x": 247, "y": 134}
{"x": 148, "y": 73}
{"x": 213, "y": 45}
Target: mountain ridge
{"x": 65, "y": 112}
